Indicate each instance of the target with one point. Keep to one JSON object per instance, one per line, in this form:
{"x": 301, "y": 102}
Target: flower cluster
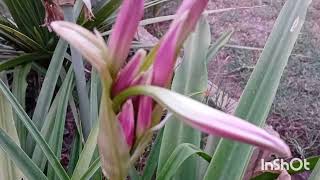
{"x": 138, "y": 114}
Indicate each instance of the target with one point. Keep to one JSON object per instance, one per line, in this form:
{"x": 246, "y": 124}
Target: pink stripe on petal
{"x": 163, "y": 66}
{"x": 194, "y": 8}
{"x": 215, "y": 122}
{"x": 129, "y": 72}
{"x": 221, "y": 124}
{"x": 126, "y": 119}
{"x": 145, "y": 107}
{"x": 131, "y": 12}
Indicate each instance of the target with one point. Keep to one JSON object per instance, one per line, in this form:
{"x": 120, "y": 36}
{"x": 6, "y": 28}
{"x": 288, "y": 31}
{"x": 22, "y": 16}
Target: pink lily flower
{"x": 135, "y": 114}
{"x": 188, "y": 15}
{"x": 131, "y": 12}
{"x": 126, "y": 119}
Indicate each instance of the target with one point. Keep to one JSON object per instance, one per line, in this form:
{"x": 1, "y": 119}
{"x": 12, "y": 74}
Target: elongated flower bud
{"x": 145, "y": 107}
{"x": 187, "y": 17}
{"x": 126, "y": 118}
{"x": 91, "y": 46}
{"x": 127, "y": 21}
{"x": 127, "y": 74}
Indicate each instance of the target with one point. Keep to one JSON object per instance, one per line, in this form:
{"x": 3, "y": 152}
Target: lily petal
{"x": 91, "y": 46}
{"x": 131, "y": 12}
{"x": 145, "y": 107}
{"x": 209, "y": 120}
{"x": 163, "y": 66}
{"x": 187, "y": 17}
{"x": 129, "y": 72}
{"x": 194, "y": 8}
{"x": 126, "y": 119}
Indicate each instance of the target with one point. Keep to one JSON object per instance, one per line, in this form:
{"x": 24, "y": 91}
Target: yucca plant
{"x": 127, "y": 100}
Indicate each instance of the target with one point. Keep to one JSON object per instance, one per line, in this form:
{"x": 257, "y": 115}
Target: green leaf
{"x": 94, "y": 107}
{"x": 57, "y": 132}
{"x": 92, "y": 169}
{"x": 79, "y": 70}
{"x": 190, "y": 77}
{"x": 152, "y": 162}
{"x": 19, "y": 87}
{"x": 231, "y": 158}
{"x": 218, "y": 44}
{"x": 23, "y": 116}
{"x": 75, "y": 153}
{"x": 48, "y": 86}
{"x": 178, "y": 157}
{"x": 38, "y": 156}
{"x": 19, "y": 39}
{"x": 87, "y": 153}
{"x": 315, "y": 175}
{"x": 22, "y": 59}
{"x": 20, "y": 158}
{"x": 106, "y": 11}
{"x": 29, "y": 16}
{"x": 7, "y": 168}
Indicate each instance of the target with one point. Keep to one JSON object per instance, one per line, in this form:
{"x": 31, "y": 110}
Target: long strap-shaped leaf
{"x": 19, "y": 87}
{"x": 19, "y": 39}
{"x": 315, "y": 175}
{"x": 178, "y": 157}
{"x": 8, "y": 170}
{"x": 190, "y": 77}
{"x": 231, "y": 158}
{"x": 20, "y": 158}
{"x": 54, "y": 161}
{"x": 87, "y": 153}
{"x": 48, "y": 86}
{"x": 78, "y": 67}
{"x": 56, "y": 139}
{"x": 22, "y": 59}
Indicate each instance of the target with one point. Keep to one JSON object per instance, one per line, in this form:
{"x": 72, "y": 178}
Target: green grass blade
{"x": 178, "y": 157}
{"x": 231, "y": 158}
{"x": 190, "y": 77}
{"x": 20, "y": 158}
{"x": 54, "y": 161}
{"x": 19, "y": 87}
{"x": 7, "y": 168}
